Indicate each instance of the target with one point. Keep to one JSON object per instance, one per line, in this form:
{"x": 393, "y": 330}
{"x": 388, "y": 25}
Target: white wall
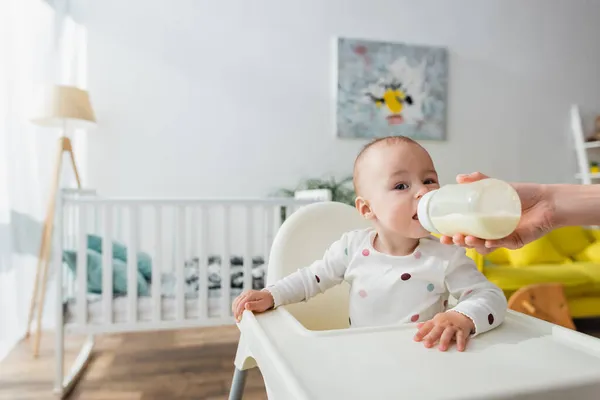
{"x": 228, "y": 98}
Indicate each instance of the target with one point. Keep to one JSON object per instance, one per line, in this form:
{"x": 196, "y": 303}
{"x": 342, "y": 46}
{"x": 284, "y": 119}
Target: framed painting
{"x": 386, "y": 88}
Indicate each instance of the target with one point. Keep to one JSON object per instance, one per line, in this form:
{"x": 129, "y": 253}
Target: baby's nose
{"x": 421, "y": 192}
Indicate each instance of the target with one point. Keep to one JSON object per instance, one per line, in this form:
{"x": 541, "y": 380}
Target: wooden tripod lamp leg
{"x": 41, "y": 256}
{"x": 66, "y": 146}
{"x": 46, "y": 243}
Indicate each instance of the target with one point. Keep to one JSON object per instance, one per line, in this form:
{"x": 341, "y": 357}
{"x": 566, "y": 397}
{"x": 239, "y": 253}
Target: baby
{"x": 397, "y": 271}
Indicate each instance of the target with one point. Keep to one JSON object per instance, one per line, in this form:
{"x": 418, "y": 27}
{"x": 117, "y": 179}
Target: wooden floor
{"x": 187, "y": 364}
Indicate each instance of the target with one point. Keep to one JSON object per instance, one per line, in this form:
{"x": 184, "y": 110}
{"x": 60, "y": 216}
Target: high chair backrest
{"x": 302, "y": 239}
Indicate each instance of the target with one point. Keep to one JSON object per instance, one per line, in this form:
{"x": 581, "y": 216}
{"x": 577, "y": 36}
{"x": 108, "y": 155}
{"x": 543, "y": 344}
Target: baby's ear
{"x": 363, "y": 207}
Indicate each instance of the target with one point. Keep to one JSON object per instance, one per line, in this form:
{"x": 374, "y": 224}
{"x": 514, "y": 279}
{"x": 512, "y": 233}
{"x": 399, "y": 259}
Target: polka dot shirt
{"x": 386, "y": 289}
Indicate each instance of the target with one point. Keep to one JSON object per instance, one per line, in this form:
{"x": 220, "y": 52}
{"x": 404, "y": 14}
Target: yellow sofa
{"x": 570, "y": 256}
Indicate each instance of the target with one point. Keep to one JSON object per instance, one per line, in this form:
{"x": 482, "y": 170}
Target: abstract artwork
{"x": 388, "y": 88}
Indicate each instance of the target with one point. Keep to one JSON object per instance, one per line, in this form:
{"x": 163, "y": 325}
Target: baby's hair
{"x": 387, "y": 140}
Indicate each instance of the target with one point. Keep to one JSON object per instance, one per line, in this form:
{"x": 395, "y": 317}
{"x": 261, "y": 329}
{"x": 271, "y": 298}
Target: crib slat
{"x": 107, "y": 268}
{"x": 225, "y": 267}
{"x": 203, "y": 263}
{"x": 73, "y": 241}
{"x": 132, "y": 270}
{"x": 64, "y": 235}
{"x": 57, "y": 261}
{"x": 268, "y": 221}
{"x": 248, "y": 248}
{"x": 95, "y": 220}
{"x": 268, "y": 231}
{"x": 179, "y": 263}
{"x": 82, "y": 265}
{"x": 276, "y": 223}
{"x": 122, "y": 221}
{"x": 119, "y": 223}
{"x": 70, "y": 244}
{"x": 158, "y": 260}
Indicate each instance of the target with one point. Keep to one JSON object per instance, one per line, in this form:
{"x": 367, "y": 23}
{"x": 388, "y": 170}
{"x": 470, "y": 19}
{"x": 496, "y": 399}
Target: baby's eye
{"x": 429, "y": 181}
{"x": 401, "y": 186}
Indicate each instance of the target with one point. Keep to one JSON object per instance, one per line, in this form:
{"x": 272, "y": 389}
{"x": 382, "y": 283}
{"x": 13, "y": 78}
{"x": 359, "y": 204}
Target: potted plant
{"x": 341, "y": 190}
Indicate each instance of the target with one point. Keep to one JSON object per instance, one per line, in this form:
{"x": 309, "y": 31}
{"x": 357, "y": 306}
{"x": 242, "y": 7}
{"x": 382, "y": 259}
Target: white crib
{"x": 129, "y": 265}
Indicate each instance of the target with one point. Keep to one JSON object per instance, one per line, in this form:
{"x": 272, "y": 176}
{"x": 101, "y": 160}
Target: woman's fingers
{"x": 446, "y": 240}
{"x": 472, "y": 177}
{"x": 469, "y": 242}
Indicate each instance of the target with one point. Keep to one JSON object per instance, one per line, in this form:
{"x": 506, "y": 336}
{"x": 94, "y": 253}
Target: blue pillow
{"x": 119, "y": 250}
{"x": 94, "y": 273}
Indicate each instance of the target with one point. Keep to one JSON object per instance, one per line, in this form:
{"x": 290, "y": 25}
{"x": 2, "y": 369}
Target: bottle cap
{"x": 423, "y": 212}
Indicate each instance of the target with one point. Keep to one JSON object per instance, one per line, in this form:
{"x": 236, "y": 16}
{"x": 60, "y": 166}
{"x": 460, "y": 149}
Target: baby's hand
{"x": 445, "y": 326}
{"x": 253, "y": 300}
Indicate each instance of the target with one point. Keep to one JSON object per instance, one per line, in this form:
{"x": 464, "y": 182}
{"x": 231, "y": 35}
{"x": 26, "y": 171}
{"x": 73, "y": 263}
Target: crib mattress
{"x": 168, "y": 290}
{"x": 120, "y": 308}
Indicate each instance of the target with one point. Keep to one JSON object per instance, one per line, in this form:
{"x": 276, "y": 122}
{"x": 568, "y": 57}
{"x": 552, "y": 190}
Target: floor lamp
{"x": 64, "y": 107}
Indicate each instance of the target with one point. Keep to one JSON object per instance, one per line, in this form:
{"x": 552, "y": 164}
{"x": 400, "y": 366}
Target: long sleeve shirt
{"x": 386, "y": 289}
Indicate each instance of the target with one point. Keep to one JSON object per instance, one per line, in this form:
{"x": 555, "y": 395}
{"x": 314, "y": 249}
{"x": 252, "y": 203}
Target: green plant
{"x": 341, "y": 191}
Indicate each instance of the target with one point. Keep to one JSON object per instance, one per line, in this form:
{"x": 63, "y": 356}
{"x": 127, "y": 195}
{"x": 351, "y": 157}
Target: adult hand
{"x": 537, "y": 218}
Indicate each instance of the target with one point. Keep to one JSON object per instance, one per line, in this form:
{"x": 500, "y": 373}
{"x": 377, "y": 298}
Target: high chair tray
{"x": 524, "y": 358}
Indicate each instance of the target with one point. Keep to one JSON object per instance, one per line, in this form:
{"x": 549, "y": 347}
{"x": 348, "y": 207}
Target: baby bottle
{"x": 487, "y": 209}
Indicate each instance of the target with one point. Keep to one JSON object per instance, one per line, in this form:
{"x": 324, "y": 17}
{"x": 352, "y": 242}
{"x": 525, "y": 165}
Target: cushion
{"x": 584, "y": 306}
{"x": 569, "y": 240}
{"x": 589, "y": 253}
{"x": 498, "y": 256}
{"x": 476, "y": 257}
{"x": 119, "y": 251}
{"x": 540, "y": 251}
{"x": 94, "y": 273}
{"x": 592, "y": 270}
{"x": 576, "y": 281}
{"x": 472, "y": 253}
{"x": 594, "y": 234}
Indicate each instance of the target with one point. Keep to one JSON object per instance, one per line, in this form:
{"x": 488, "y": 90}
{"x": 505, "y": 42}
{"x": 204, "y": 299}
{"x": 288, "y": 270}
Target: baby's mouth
{"x": 416, "y": 217}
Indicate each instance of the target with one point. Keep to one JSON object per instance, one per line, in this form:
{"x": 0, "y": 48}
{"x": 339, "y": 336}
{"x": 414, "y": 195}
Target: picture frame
{"x": 390, "y": 88}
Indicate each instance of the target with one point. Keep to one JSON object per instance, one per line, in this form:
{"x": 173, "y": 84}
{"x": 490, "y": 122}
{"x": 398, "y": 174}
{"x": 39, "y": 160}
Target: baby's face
{"x": 393, "y": 178}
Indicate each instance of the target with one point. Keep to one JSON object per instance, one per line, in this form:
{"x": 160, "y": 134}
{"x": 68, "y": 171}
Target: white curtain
{"x": 38, "y": 45}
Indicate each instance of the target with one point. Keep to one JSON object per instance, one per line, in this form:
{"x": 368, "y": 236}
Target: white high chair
{"x": 305, "y": 351}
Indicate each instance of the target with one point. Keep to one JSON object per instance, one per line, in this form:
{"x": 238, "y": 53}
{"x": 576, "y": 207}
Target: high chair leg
{"x": 237, "y": 384}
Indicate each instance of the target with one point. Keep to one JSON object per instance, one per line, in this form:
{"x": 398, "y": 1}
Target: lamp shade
{"x": 57, "y": 104}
